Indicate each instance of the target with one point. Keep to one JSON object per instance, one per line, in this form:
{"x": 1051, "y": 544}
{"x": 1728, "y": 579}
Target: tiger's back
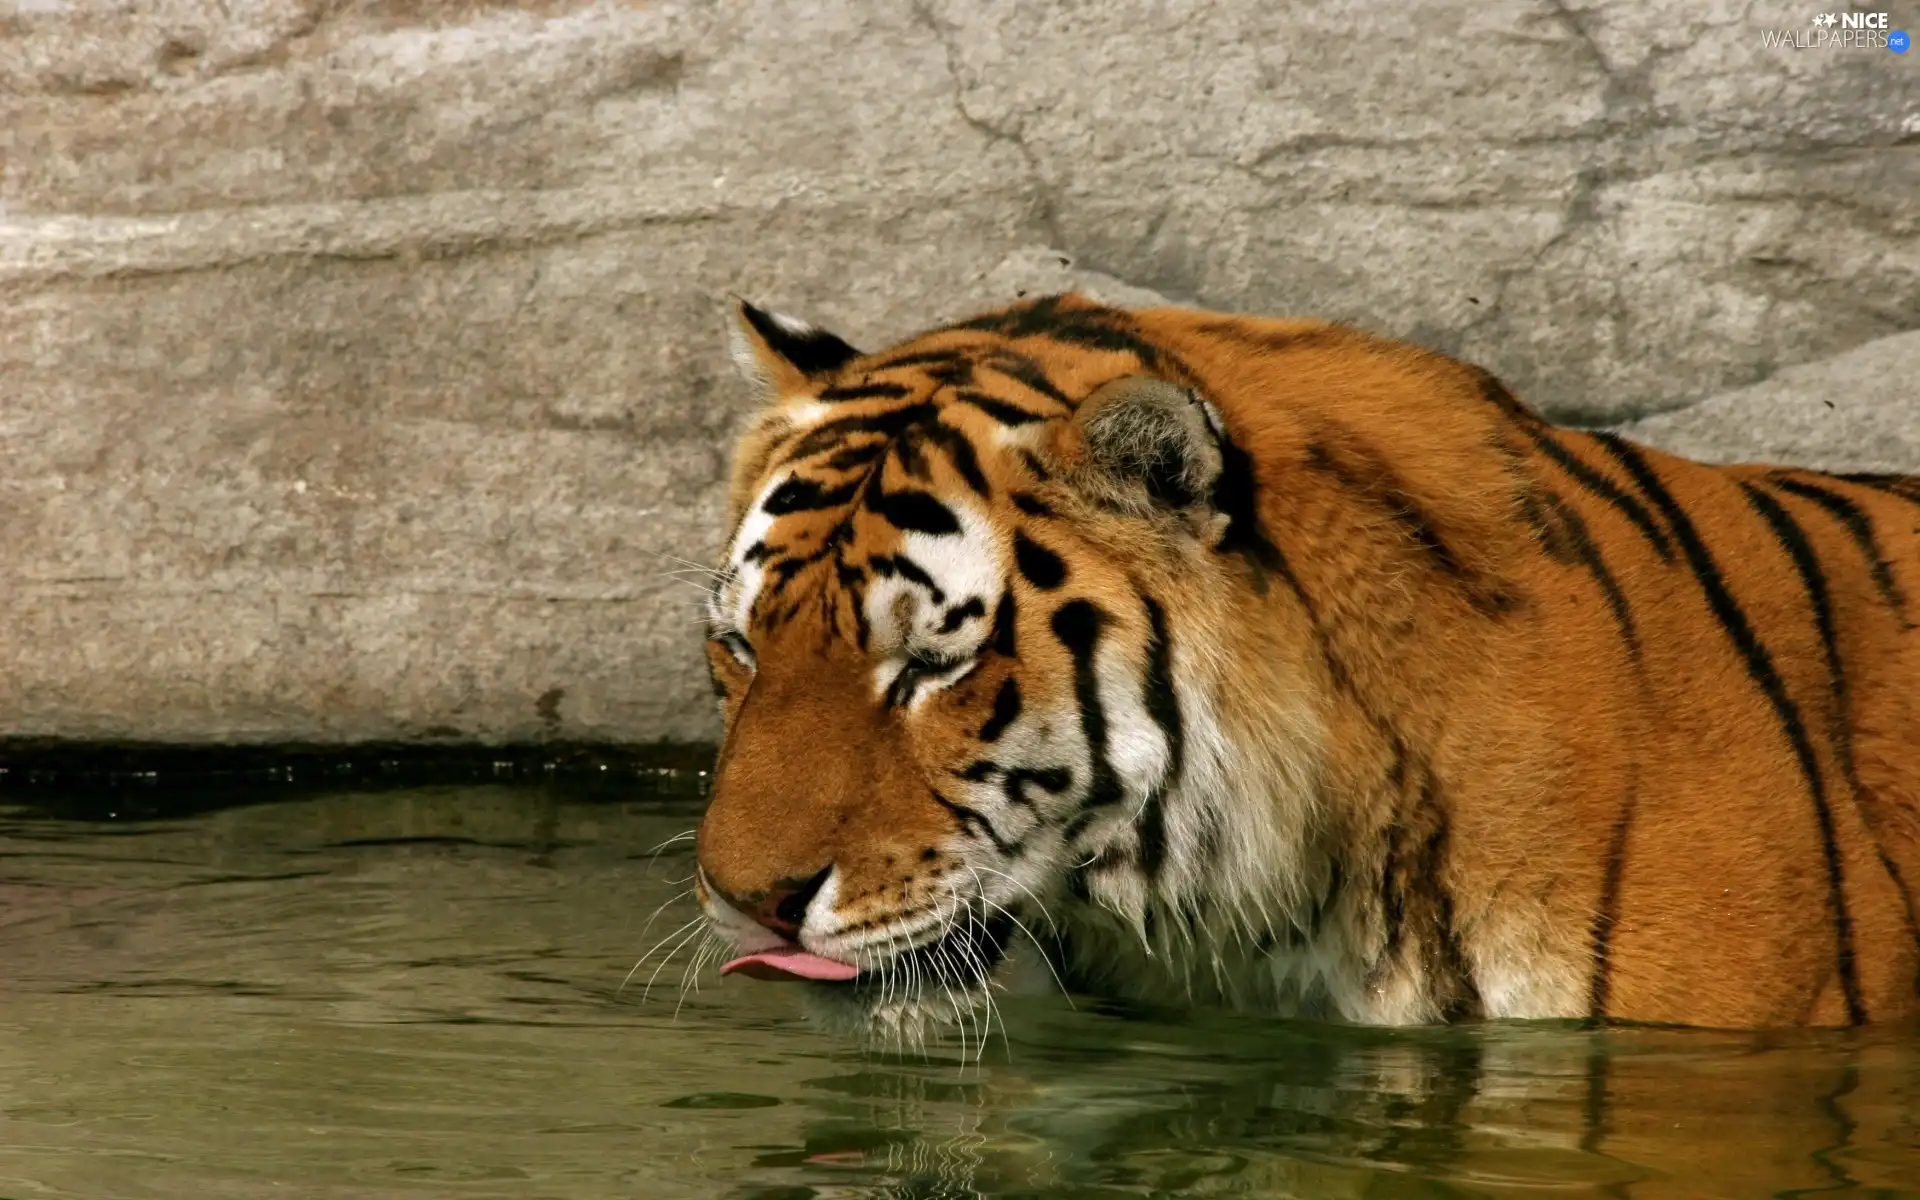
{"x": 1715, "y": 667}
{"x": 1371, "y": 694}
{"x": 1764, "y": 827}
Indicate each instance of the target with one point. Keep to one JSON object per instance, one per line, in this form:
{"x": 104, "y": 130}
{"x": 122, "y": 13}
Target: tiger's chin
{"x": 903, "y": 1018}
{"x": 926, "y": 995}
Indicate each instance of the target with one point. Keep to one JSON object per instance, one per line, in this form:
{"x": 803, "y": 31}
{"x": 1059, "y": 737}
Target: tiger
{"x": 1270, "y": 664}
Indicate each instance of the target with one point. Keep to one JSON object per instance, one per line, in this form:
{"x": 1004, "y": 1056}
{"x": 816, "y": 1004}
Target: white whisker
{"x": 1023, "y": 929}
{"x": 692, "y": 973}
{"x": 668, "y": 957}
{"x": 678, "y": 837}
{"x": 643, "y": 932}
{"x": 1037, "y": 902}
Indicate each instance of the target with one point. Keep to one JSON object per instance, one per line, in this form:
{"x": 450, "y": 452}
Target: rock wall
{"x": 360, "y": 363}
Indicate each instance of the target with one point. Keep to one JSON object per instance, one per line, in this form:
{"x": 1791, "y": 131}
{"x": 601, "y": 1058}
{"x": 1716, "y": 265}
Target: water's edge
{"x": 103, "y": 780}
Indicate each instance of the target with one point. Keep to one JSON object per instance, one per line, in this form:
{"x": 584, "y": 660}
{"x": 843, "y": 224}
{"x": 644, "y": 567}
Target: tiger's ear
{"x": 780, "y": 354}
{"x": 1141, "y": 444}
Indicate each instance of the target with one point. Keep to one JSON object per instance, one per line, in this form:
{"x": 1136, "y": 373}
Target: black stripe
{"x": 1760, "y": 669}
{"x": 1108, "y": 336}
{"x": 1608, "y": 914}
{"x": 955, "y": 372}
{"x": 1013, "y": 782}
{"x": 889, "y": 565}
{"x": 1578, "y": 543}
{"x": 1017, "y": 320}
{"x": 1393, "y": 904}
{"x": 1163, "y": 707}
{"x": 1089, "y": 326}
{"x": 888, "y": 424}
{"x": 1038, "y": 565}
{"x": 1078, "y": 625}
{"x": 850, "y": 576}
{"x": 1859, "y": 526}
{"x": 960, "y": 454}
{"x": 908, "y": 452}
{"x": 960, "y": 614}
{"x": 1276, "y": 341}
{"x": 1840, "y": 728}
{"x": 1604, "y": 488}
{"x": 1495, "y": 393}
{"x": 856, "y": 604}
{"x": 923, "y": 358}
{"x": 1036, "y": 466}
{"x": 784, "y": 571}
{"x": 1813, "y": 581}
{"x": 864, "y": 391}
{"x": 861, "y": 456}
{"x": 913, "y": 511}
{"x": 971, "y": 819}
{"x": 1006, "y": 710}
{"x": 1540, "y": 512}
{"x": 1013, "y": 788}
{"x": 1236, "y": 494}
{"x": 1904, "y": 487}
{"x": 1024, "y": 370}
{"x": 1032, "y": 505}
{"x": 1054, "y": 779}
{"x": 1003, "y": 633}
{"x": 1813, "y": 578}
{"x": 800, "y": 494}
{"x": 999, "y": 410}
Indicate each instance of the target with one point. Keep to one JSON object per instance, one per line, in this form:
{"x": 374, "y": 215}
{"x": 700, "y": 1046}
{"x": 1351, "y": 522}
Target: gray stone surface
{"x": 360, "y": 363}
{"x": 1858, "y": 411}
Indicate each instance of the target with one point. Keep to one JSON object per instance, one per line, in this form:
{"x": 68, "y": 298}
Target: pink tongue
{"x": 789, "y": 963}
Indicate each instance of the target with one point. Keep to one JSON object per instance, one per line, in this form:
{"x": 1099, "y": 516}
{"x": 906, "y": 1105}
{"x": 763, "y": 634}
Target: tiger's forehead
{"x": 880, "y": 587}
{"x": 885, "y": 495}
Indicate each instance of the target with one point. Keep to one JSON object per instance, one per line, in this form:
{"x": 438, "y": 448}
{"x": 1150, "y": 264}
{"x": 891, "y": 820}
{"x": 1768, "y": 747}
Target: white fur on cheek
{"x": 819, "y": 925}
{"x": 745, "y": 578}
{"x": 965, "y": 564}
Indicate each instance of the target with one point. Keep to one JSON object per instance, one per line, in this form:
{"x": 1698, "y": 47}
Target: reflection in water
{"x": 1095, "y": 1105}
{"x": 419, "y": 993}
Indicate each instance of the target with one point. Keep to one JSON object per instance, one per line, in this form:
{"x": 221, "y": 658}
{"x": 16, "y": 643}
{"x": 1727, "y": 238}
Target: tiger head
{"x": 957, "y": 640}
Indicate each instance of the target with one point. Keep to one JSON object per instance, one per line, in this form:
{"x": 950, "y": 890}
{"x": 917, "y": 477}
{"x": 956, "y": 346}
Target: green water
{"x": 419, "y": 993}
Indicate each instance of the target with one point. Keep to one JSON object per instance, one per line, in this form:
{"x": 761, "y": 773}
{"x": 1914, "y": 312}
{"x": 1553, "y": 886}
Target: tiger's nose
{"x": 783, "y": 907}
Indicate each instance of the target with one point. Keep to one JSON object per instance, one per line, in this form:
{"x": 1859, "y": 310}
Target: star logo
{"x": 1826, "y": 20}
